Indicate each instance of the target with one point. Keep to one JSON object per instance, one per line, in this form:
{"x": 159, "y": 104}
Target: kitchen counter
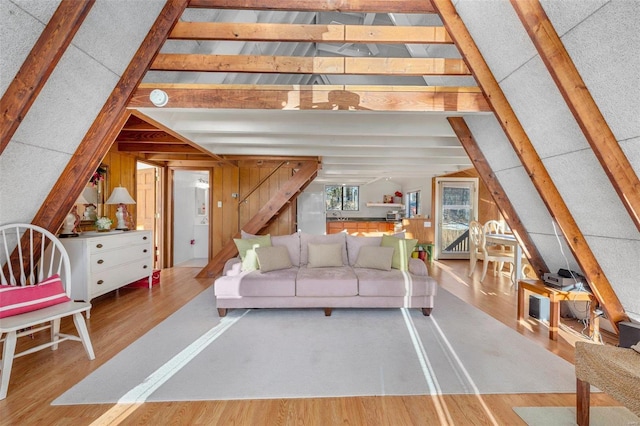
{"x": 356, "y": 219}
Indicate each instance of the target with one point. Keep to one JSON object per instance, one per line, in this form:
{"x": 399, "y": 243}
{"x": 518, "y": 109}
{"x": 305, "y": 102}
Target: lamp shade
{"x": 81, "y": 200}
{"x": 120, "y": 195}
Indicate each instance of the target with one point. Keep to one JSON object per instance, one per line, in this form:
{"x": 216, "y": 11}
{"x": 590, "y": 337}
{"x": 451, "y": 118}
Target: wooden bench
{"x": 611, "y": 369}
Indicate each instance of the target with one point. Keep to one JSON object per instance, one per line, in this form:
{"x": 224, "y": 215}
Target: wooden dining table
{"x": 509, "y": 240}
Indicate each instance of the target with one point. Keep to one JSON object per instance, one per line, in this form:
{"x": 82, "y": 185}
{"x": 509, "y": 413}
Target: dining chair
{"x": 478, "y": 250}
{"x": 496, "y": 227}
{"x": 35, "y": 277}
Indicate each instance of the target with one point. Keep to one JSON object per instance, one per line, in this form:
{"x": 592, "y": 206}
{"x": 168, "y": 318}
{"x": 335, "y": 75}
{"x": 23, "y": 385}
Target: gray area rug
{"x": 566, "y": 416}
{"x": 295, "y": 353}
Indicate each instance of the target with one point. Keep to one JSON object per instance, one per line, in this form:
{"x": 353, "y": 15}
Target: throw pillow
{"x": 324, "y": 255}
{"x": 16, "y": 300}
{"x": 273, "y": 258}
{"x": 375, "y": 258}
{"x": 355, "y": 243}
{"x": 306, "y": 239}
{"x": 402, "y": 249}
{"x": 244, "y": 244}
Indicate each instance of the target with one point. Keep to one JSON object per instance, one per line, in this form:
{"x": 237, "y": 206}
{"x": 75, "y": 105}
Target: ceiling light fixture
{"x": 158, "y": 97}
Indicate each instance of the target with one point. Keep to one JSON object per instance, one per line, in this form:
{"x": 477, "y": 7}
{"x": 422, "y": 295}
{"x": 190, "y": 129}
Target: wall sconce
{"x": 71, "y": 222}
{"x": 158, "y": 97}
{"x": 121, "y": 197}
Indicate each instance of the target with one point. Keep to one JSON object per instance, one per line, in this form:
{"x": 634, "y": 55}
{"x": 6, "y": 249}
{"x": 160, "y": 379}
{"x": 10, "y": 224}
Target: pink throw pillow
{"x": 16, "y": 300}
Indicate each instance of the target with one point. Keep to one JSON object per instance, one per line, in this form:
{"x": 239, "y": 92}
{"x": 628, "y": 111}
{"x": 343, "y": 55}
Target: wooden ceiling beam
{"x": 165, "y": 156}
{"x": 176, "y": 135}
{"x": 374, "y": 98}
{"x": 156, "y": 147}
{"x": 38, "y": 66}
{"x": 104, "y": 129}
{"x": 581, "y": 103}
{"x": 267, "y": 32}
{"x": 481, "y": 164}
{"x": 531, "y": 162}
{"x": 344, "y": 6}
{"x": 310, "y": 65}
{"x": 157, "y": 136}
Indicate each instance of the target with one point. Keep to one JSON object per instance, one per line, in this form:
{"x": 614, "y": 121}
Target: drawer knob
{"x": 100, "y": 261}
{"x": 144, "y": 251}
{"x": 144, "y": 238}
{"x": 144, "y": 267}
{"x": 100, "y": 282}
{"x": 99, "y": 245}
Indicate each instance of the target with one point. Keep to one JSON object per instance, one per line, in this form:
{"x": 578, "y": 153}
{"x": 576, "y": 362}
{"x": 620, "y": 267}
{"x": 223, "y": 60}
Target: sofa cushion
{"x": 256, "y": 283}
{"x": 273, "y": 258}
{"x": 324, "y": 255}
{"x": 292, "y": 243}
{"x": 375, "y": 258}
{"x": 354, "y": 243}
{"x": 16, "y": 300}
{"x": 338, "y": 281}
{"x": 402, "y": 250}
{"x": 305, "y": 239}
{"x": 373, "y": 282}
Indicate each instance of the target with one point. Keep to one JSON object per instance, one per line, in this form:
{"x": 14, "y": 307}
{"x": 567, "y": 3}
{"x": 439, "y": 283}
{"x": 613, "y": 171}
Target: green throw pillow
{"x": 246, "y": 249}
{"x": 244, "y": 244}
{"x": 401, "y": 251}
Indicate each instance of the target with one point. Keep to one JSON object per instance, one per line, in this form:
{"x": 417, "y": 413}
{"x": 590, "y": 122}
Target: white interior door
{"x": 457, "y": 200}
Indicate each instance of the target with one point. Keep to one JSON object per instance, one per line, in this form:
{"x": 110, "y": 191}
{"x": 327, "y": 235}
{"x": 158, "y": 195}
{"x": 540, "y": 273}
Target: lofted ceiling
{"x": 367, "y": 93}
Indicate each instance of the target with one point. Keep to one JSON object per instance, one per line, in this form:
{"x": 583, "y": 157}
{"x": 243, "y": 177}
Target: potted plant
{"x": 103, "y": 224}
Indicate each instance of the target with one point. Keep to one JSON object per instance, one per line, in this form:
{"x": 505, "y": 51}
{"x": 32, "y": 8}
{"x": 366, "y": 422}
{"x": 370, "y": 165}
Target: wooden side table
{"x": 556, "y": 296}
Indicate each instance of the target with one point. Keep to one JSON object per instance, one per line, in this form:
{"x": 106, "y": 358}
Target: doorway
{"x": 191, "y": 215}
{"x": 149, "y": 205}
{"x": 456, "y": 206}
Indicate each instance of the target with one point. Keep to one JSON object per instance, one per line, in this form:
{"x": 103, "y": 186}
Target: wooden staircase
{"x": 281, "y": 200}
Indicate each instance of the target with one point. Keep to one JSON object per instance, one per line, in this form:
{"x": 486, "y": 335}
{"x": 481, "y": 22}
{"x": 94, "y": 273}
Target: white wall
{"x": 75, "y": 92}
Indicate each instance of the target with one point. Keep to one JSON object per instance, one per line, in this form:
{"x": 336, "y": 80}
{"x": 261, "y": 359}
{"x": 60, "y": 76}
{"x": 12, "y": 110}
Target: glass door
{"x": 456, "y": 206}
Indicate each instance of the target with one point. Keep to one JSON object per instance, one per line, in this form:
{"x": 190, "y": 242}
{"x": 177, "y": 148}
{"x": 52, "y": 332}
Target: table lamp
{"x": 69, "y": 227}
{"x": 121, "y": 197}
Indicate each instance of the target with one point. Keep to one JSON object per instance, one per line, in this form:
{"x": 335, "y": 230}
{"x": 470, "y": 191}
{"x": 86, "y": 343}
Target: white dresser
{"x": 105, "y": 261}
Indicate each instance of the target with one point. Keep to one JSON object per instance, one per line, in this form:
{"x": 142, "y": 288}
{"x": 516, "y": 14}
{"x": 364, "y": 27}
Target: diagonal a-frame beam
{"x": 39, "y": 65}
{"x": 107, "y": 124}
{"x": 581, "y": 103}
{"x": 480, "y": 163}
{"x": 531, "y": 162}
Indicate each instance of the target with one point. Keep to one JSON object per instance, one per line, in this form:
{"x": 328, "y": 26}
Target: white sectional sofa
{"x": 325, "y": 271}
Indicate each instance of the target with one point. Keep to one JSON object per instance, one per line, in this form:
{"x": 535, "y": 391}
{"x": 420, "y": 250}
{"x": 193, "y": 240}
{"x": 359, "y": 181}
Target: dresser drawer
{"x": 97, "y": 245}
{"x": 113, "y": 258}
{"x": 104, "y": 281}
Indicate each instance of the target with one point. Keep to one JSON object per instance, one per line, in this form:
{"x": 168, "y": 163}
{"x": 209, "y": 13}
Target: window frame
{"x": 340, "y": 205}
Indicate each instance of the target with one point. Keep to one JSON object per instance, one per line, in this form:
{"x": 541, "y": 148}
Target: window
{"x": 341, "y": 197}
{"x": 413, "y": 203}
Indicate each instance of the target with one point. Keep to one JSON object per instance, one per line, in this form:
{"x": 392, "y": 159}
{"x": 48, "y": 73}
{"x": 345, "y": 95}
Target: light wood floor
{"x": 119, "y": 318}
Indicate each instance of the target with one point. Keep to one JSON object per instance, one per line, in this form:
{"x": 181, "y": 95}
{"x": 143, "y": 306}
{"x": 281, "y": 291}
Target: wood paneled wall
{"x": 233, "y": 213}
{"x": 122, "y": 172}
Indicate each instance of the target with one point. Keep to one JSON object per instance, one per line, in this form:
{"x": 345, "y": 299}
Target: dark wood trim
{"x": 581, "y": 104}
{"x": 39, "y": 65}
{"x": 107, "y": 124}
{"x": 583, "y": 402}
{"x": 497, "y": 192}
{"x": 346, "y": 6}
{"x": 531, "y": 162}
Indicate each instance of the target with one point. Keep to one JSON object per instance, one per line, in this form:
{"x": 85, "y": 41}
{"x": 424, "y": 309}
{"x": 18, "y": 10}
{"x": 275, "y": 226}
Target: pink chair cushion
{"x": 16, "y": 300}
